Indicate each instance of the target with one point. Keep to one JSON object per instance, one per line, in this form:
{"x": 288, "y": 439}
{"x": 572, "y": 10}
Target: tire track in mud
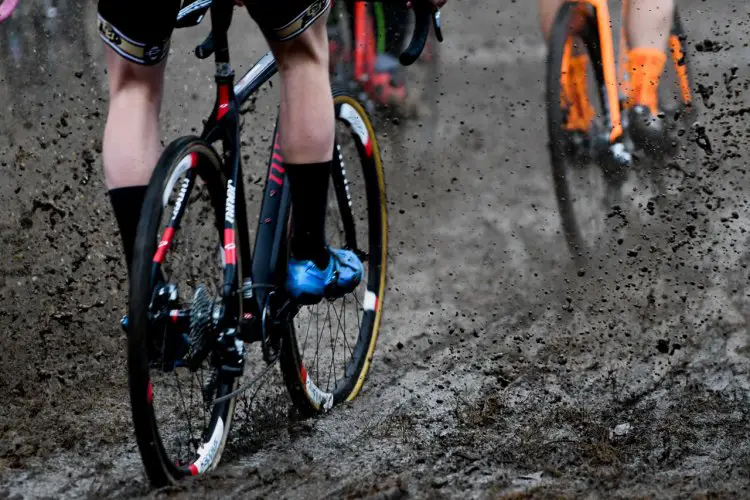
{"x": 500, "y": 369}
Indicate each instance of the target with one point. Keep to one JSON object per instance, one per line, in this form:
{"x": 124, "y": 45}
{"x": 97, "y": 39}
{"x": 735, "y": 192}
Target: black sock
{"x": 309, "y": 187}
{"x": 127, "y": 203}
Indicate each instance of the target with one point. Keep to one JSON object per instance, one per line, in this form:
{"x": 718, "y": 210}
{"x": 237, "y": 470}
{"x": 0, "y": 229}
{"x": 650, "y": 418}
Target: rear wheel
{"x": 179, "y": 432}
{"x": 327, "y": 348}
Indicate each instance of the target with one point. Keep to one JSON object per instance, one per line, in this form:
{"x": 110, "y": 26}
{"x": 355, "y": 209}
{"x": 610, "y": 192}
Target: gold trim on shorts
{"x": 302, "y": 21}
{"x": 130, "y": 49}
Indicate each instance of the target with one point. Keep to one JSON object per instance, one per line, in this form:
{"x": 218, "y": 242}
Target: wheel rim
{"x": 584, "y": 197}
{"x": 335, "y": 339}
{"x": 191, "y": 431}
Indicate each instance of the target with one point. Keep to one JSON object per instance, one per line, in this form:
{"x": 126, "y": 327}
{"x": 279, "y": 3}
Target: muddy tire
{"x": 344, "y": 331}
{"x": 560, "y": 156}
{"x": 161, "y": 411}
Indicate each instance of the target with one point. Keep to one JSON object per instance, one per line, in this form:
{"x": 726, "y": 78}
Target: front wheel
{"x": 585, "y": 197}
{"x": 178, "y": 429}
{"x": 327, "y": 349}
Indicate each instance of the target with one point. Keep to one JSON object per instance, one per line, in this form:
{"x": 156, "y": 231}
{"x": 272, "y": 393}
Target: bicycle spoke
{"x": 333, "y": 350}
{"x": 182, "y": 399}
{"x": 359, "y": 307}
{"x": 353, "y": 220}
{"x": 304, "y": 344}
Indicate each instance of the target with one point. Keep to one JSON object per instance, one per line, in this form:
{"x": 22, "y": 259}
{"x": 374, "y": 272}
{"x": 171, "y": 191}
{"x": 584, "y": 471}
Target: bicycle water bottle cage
{"x": 192, "y": 13}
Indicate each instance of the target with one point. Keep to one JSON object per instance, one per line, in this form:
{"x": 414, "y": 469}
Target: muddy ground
{"x": 501, "y": 370}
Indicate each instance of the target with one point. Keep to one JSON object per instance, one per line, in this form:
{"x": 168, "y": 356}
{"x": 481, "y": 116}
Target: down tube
{"x": 601, "y": 47}
{"x": 270, "y": 219}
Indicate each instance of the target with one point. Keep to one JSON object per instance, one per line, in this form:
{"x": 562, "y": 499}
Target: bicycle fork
{"x": 607, "y": 145}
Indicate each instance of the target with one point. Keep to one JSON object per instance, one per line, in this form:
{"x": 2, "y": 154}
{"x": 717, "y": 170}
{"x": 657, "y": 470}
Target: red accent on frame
{"x": 193, "y": 470}
{"x": 277, "y": 163}
{"x": 193, "y": 159}
{"x": 275, "y": 179}
{"x": 230, "y": 248}
{"x": 166, "y": 241}
{"x": 150, "y": 393}
{"x": 174, "y": 315}
{"x": 368, "y": 148}
{"x": 223, "y": 101}
{"x": 303, "y": 372}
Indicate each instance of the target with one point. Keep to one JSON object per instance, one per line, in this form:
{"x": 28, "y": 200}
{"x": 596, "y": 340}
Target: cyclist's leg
{"x": 306, "y": 135}
{"x": 648, "y": 25}
{"x": 649, "y": 22}
{"x": 305, "y": 113}
{"x": 575, "y": 97}
{"x": 137, "y": 36}
{"x": 547, "y": 12}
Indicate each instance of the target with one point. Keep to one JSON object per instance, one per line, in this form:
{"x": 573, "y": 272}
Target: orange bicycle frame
{"x": 609, "y": 67}
{"x": 364, "y": 44}
{"x": 680, "y": 67}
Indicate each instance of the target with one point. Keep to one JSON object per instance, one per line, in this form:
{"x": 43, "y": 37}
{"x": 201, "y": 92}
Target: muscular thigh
{"x": 138, "y": 30}
{"x": 282, "y": 20}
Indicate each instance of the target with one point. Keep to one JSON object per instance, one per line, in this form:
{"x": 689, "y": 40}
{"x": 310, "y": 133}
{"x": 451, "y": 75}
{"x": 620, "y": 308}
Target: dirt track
{"x": 500, "y": 369}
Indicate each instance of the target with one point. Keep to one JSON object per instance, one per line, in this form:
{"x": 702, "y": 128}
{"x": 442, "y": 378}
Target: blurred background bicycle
{"x": 365, "y": 42}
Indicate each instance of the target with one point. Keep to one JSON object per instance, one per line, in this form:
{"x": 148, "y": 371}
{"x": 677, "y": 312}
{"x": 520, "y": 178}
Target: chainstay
{"x": 258, "y": 378}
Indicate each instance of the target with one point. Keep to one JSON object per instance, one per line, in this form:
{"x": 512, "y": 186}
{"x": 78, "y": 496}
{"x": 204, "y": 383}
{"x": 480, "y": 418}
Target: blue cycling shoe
{"x": 307, "y": 284}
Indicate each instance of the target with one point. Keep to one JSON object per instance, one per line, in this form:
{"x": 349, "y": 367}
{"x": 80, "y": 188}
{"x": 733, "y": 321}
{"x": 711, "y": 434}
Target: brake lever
{"x": 423, "y": 14}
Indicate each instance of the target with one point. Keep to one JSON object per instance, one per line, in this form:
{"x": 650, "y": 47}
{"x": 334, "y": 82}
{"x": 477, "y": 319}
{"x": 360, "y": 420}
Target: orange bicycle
{"x": 356, "y": 32}
{"x": 599, "y": 160}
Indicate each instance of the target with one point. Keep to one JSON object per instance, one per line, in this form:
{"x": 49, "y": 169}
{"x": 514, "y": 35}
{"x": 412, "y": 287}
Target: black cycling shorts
{"x": 140, "y": 30}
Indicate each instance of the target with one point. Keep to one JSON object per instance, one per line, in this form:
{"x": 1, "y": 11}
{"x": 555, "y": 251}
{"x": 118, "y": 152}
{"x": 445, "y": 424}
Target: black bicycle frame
{"x": 253, "y": 275}
{"x": 256, "y": 276}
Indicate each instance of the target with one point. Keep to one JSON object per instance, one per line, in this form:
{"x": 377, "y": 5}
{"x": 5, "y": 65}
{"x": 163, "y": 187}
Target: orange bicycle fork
{"x": 601, "y": 50}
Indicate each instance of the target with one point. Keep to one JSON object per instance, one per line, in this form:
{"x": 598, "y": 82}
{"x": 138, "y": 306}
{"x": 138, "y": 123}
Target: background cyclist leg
{"x": 648, "y": 27}
{"x": 306, "y": 135}
{"x": 575, "y": 97}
